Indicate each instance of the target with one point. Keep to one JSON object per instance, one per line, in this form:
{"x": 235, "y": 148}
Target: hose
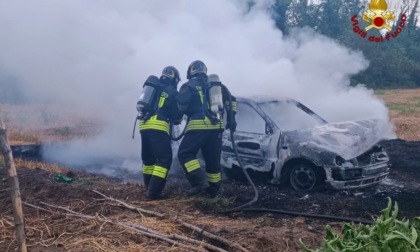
{"x": 316, "y": 216}
{"x": 135, "y": 123}
{"x": 232, "y": 136}
{"x": 182, "y": 134}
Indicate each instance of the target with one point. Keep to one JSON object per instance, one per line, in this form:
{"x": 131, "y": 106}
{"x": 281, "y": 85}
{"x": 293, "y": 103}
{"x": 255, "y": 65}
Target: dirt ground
{"x": 254, "y": 231}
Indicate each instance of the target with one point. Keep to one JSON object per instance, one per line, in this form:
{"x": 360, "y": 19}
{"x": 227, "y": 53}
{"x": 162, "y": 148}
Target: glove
{"x": 231, "y": 125}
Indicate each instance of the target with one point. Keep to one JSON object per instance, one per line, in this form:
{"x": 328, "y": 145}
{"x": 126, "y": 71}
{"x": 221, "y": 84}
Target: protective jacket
{"x": 192, "y": 100}
{"x": 166, "y": 111}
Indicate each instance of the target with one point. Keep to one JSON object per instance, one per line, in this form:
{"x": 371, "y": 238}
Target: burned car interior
{"x": 284, "y": 142}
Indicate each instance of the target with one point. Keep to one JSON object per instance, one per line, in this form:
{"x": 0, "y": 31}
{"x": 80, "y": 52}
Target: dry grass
{"x": 404, "y": 109}
{"x": 36, "y": 123}
{"x": 51, "y": 233}
{"x": 53, "y": 168}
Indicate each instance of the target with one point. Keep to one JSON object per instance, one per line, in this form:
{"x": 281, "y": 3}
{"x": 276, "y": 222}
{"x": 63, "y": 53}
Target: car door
{"x": 255, "y": 140}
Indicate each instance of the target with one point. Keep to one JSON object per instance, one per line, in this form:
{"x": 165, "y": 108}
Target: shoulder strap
{"x": 157, "y": 99}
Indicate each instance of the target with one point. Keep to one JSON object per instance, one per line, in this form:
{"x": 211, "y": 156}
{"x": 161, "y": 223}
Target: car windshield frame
{"x": 292, "y": 102}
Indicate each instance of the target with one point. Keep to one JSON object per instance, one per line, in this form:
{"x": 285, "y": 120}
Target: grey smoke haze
{"x": 93, "y": 56}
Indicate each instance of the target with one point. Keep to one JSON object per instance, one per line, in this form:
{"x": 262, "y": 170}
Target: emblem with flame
{"x": 379, "y": 16}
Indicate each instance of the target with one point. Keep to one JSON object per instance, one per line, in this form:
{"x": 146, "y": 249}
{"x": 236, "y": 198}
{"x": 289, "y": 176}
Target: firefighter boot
{"x": 198, "y": 181}
{"x": 154, "y": 191}
{"x": 147, "y": 174}
{"x": 213, "y": 189}
{"x": 146, "y": 180}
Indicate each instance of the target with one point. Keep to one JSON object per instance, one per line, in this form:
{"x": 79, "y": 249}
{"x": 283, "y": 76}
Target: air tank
{"x": 215, "y": 94}
{"x": 146, "y": 101}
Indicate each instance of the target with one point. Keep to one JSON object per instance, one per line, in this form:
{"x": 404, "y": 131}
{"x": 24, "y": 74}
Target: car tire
{"x": 304, "y": 177}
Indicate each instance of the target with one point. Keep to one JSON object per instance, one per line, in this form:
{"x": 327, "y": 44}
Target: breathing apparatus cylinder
{"x": 215, "y": 94}
{"x": 146, "y": 101}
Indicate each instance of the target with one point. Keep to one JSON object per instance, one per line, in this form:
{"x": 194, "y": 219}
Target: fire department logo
{"x": 378, "y": 17}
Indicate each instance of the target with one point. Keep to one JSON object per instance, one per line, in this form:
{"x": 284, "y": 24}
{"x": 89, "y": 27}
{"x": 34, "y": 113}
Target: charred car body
{"x": 283, "y": 141}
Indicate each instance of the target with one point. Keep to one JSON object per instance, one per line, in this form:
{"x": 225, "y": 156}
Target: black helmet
{"x": 170, "y": 73}
{"x": 195, "y": 68}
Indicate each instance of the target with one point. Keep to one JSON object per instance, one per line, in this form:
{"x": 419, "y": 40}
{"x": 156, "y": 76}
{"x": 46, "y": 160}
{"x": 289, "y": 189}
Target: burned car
{"x": 284, "y": 142}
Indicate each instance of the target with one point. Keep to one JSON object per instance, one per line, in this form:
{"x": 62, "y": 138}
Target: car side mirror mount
{"x": 284, "y": 144}
{"x": 268, "y": 129}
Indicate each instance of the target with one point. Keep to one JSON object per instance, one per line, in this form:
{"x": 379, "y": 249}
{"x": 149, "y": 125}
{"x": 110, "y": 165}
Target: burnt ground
{"x": 254, "y": 231}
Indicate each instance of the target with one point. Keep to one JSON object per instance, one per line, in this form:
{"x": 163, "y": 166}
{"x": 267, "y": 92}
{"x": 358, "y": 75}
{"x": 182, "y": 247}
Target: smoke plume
{"x": 93, "y": 56}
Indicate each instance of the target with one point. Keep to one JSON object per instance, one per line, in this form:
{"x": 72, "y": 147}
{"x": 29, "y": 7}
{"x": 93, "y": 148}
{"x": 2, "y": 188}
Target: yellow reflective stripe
{"x": 200, "y": 92}
{"x": 203, "y": 124}
{"x": 227, "y": 105}
{"x": 205, "y": 121}
{"x": 162, "y": 99}
{"x": 160, "y": 172}
{"x": 155, "y": 124}
{"x": 214, "y": 177}
{"x": 202, "y": 128}
{"x": 148, "y": 169}
{"x": 192, "y": 165}
{"x": 164, "y": 129}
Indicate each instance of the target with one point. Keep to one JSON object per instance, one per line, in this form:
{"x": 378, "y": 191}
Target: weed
{"x": 386, "y": 234}
{"x": 217, "y": 202}
{"x": 83, "y": 181}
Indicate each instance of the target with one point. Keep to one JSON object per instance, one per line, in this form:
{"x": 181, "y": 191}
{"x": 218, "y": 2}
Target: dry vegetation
{"x": 404, "y": 109}
{"x": 55, "y": 230}
{"x": 36, "y": 123}
{"x": 51, "y": 229}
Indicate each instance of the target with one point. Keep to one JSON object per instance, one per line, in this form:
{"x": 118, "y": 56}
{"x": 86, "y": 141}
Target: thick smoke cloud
{"x": 94, "y": 55}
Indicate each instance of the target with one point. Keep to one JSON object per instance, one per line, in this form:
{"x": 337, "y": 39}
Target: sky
{"x": 93, "y": 57}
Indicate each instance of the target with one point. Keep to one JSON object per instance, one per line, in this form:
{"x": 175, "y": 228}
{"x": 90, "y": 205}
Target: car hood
{"x": 346, "y": 139}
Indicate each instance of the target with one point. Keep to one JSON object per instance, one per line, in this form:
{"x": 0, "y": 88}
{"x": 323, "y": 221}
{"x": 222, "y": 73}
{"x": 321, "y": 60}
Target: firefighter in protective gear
{"x": 202, "y": 132}
{"x": 155, "y": 134}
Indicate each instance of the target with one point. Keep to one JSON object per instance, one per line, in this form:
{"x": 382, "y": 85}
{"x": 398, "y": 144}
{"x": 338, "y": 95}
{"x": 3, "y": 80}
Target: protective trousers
{"x": 210, "y": 143}
{"x": 156, "y": 153}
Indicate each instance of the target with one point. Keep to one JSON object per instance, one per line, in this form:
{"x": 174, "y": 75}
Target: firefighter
{"x": 203, "y": 132}
{"x": 155, "y": 133}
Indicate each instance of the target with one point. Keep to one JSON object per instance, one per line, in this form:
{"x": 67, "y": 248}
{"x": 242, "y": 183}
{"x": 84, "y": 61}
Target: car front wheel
{"x": 303, "y": 177}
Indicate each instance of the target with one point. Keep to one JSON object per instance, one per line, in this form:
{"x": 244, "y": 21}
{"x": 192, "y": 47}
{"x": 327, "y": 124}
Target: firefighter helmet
{"x": 171, "y": 73}
{"x": 195, "y": 68}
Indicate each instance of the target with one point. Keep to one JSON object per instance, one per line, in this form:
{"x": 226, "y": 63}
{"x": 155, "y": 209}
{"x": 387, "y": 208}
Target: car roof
{"x": 259, "y": 100}
{"x": 264, "y": 99}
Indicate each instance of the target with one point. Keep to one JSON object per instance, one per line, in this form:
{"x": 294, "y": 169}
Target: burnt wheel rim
{"x": 302, "y": 178}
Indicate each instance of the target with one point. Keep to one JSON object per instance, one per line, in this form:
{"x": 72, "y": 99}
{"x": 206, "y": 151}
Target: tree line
{"x": 394, "y": 62}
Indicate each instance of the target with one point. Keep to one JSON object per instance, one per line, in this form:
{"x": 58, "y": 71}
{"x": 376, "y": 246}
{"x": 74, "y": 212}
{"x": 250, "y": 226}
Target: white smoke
{"x": 93, "y": 57}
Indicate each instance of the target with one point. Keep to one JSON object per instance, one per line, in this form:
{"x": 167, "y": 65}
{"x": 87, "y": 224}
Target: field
{"x": 404, "y": 106}
{"x": 52, "y": 229}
